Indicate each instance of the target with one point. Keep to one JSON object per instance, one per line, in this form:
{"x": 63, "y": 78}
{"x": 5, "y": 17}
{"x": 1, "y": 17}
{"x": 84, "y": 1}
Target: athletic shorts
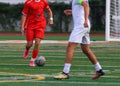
{"x": 80, "y": 35}
{"x": 31, "y": 34}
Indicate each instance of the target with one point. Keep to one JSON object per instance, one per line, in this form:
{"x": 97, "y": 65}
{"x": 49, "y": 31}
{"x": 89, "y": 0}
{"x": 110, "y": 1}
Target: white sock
{"x": 66, "y": 67}
{"x": 32, "y": 59}
{"x": 97, "y": 66}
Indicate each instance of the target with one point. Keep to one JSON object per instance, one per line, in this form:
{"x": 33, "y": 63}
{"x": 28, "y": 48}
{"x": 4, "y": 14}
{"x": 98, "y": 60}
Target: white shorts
{"x": 80, "y": 35}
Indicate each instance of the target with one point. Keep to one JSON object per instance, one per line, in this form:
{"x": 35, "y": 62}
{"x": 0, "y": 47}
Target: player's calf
{"x": 25, "y": 54}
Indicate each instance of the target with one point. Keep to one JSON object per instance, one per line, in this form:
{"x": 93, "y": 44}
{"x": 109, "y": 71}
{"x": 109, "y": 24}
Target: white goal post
{"x": 112, "y": 32}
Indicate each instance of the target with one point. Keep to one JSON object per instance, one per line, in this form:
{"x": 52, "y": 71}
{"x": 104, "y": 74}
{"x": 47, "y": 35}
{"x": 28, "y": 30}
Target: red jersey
{"x": 34, "y": 11}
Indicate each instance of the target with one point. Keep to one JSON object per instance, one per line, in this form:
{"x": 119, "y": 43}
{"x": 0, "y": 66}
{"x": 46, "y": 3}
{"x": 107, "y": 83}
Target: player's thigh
{"x": 76, "y": 36}
{"x": 30, "y": 35}
{"x": 85, "y": 47}
{"x": 39, "y": 33}
{"x": 37, "y": 41}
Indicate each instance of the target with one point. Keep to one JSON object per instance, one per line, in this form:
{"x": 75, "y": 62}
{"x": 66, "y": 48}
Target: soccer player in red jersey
{"x": 34, "y": 22}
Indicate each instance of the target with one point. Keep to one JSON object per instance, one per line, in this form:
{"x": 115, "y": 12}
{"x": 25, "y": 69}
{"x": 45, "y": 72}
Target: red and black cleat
{"x": 98, "y": 74}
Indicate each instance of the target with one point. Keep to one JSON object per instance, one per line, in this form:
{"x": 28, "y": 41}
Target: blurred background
{"x": 10, "y": 16}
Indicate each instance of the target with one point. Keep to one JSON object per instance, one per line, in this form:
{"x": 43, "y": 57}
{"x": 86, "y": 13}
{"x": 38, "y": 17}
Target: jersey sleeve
{"x": 46, "y": 4}
{"x": 25, "y": 8}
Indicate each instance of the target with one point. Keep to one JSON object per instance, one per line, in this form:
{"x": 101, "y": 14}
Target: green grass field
{"x": 14, "y": 71}
{"x": 96, "y": 38}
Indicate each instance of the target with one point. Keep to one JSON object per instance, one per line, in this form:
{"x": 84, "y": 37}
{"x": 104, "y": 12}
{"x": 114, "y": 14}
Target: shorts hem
{"x": 78, "y": 42}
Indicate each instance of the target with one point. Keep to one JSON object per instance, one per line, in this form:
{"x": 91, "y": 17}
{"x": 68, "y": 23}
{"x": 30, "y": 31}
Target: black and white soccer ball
{"x": 40, "y": 61}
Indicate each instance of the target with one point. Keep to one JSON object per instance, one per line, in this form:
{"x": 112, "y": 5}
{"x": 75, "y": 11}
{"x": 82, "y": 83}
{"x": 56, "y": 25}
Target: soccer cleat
{"x": 31, "y": 64}
{"x": 25, "y": 54}
{"x": 62, "y": 76}
{"x": 98, "y": 74}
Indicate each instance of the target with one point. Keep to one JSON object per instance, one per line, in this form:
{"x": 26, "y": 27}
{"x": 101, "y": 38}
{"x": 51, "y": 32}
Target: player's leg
{"x": 74, "y": 39}
{"x": 89, "y": 53}
{"x": 39, "y": 35}
{"x": 68, "y": 61}
{"x": 35, "y": 51}
{"x": 27, "y": 48}
{"x": 29, "y": 38}
{"x": 69, "y": 56}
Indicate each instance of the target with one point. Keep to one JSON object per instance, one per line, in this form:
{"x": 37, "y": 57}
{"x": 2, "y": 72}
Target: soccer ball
{"x": 40, "y": 61}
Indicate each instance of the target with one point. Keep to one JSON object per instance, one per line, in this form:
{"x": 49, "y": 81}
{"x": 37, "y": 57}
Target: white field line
{"x": 42, "y": 42}
{"x": 81, "y": 74}
{"x": 29, "y": 76}
{"x": 45, "y": 41}
{"x": 76, "y": 82}
{"x": 65, "y": 82}
{"x": 57, "y": 65}
{"x": 20, "y": 77}
{"x": 45, "y": 75}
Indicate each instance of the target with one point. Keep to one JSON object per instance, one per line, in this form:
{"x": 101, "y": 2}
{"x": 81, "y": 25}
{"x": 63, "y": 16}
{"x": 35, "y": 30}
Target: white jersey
{"x": 79, "y": 34}
{"x": 78, "y": 13}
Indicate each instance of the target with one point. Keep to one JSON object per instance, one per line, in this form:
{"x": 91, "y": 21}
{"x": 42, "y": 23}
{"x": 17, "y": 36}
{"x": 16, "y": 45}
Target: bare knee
{"x": 37, "y": 43}
{"x": 86, "y": 49}
{"x": 29, "y": 44}
{"x": 71, "y": 46}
